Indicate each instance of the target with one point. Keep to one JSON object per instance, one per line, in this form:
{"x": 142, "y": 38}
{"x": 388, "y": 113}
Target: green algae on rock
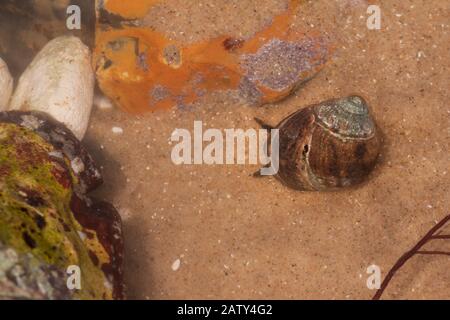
{"x": 47, "y": 223}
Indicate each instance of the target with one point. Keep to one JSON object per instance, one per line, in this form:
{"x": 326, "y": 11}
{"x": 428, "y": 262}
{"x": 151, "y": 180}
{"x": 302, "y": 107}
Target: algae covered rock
{"x": 47, "y": 223}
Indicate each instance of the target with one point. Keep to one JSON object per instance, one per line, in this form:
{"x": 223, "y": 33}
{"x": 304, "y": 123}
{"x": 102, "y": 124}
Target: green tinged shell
{"x": 347, "y": 117}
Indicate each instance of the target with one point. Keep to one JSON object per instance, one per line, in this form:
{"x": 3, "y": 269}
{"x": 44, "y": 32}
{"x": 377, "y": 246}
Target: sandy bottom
{"x": 238, "y": 237}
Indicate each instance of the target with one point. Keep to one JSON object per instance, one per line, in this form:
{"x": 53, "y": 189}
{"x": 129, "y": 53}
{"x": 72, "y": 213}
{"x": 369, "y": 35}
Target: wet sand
{"x": 238, "y": 237}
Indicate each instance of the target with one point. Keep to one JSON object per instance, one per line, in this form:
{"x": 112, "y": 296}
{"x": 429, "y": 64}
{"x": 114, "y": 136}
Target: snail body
{"x": 329, "y": 145}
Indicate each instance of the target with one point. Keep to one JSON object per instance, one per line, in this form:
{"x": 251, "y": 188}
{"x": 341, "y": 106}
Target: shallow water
{"x": 238, "y": 237}
{"x": 241, "y": 237}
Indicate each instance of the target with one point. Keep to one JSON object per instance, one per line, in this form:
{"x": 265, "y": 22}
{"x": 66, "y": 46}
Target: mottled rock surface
{"x": 47, "y": 222}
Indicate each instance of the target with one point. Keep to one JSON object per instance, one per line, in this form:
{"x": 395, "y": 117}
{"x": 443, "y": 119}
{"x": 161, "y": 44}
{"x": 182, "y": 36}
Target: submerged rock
{"x": 142, "y": 69}
{"x": 47, "y": 222}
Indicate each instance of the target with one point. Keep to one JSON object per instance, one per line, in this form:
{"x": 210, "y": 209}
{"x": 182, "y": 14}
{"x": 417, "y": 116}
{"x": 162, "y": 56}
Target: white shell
{"x": 103, "y": 102}
{"x": 60, "y": 82}
{"x": 6, "y": 85}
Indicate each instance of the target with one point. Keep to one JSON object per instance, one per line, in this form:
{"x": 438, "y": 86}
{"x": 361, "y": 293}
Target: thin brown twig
{"x": 434, "y": 252}
{"x": 439, "y": 236}
{"x": 431, "y": 234}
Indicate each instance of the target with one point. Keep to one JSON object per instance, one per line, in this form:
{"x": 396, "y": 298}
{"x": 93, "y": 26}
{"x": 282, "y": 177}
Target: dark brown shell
{"x": 329, "y": 145}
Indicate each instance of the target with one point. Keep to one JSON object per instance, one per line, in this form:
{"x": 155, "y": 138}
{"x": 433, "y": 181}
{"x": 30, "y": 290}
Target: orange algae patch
{"x": 129, "y": 9}
{"x": 143, "y": 70}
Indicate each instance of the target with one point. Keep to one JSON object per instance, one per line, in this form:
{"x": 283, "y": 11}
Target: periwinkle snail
{"x": 329, "y": 145}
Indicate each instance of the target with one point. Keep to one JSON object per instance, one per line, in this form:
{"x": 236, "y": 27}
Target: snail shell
{"x": 329, "y": 145}
{"x": 6, "y": 85}
{"x": 60, "y": 82}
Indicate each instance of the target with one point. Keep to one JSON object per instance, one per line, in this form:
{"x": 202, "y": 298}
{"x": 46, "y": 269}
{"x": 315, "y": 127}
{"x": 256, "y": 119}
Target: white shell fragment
{"x": 117, "y": 130}
{"x": 60, "y": 82}
{"x": 6, "y": 85}
{"x": 176, "y": 265}
{"x": 102, "y": 102}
